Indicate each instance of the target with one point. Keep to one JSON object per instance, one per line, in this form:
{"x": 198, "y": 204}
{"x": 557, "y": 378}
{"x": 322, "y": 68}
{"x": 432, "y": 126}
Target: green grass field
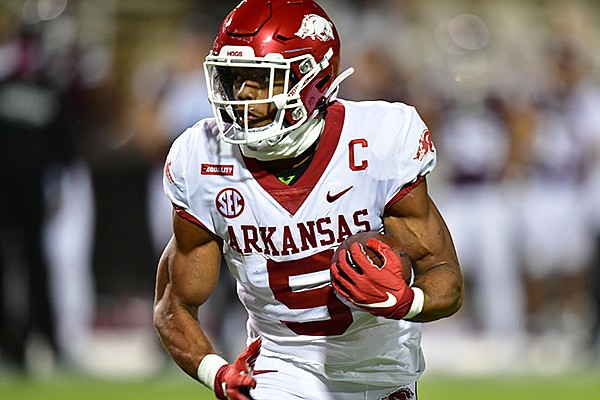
{"x": 173, "y": 385}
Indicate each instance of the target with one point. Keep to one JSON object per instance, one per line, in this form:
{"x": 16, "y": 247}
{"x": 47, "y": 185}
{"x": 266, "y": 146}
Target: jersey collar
{"x": 292, "y": 197}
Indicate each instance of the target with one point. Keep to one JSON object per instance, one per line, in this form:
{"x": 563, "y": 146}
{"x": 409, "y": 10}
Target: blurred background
{"x": 93, "y": 92}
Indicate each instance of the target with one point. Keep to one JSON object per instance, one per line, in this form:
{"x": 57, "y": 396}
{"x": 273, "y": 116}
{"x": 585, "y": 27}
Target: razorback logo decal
{"x": 316, "y": 27}
{"x": 425, "y": 145}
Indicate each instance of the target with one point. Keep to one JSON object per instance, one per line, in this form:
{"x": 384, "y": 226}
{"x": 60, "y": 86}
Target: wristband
{"x": 207, "y": 370}
{"x": 417, "y": 304}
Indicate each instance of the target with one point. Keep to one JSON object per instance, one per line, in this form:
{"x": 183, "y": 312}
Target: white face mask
{"x": 289, "y": 146}
{"x": 273, "y": 72}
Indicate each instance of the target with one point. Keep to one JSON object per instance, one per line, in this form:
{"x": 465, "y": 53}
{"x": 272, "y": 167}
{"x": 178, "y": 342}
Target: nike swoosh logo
{"x": 391, "y": 301}
{"x": 333, "y": 197}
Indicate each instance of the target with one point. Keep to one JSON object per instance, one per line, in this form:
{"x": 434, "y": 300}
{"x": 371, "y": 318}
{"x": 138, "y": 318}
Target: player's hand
{"x": 380, "y": 291}
{"x": 233, "y": 381}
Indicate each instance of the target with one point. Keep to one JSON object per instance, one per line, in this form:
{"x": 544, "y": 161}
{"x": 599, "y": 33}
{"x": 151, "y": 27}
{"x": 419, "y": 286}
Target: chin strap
{"x": 331, "y": 93}
{"x": 291, "y": 145}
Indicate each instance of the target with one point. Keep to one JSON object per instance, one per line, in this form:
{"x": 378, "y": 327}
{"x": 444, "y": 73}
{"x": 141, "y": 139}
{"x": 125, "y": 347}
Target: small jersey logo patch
{"x": 333, "y": 197}
{"x": 230, "y": 203}
{"x": 215, "y": 169}
{"x": 425, "y": 145}
{"x": 316, "y": 27}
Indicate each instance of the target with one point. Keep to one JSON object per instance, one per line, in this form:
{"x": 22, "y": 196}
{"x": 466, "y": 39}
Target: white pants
{"x": 68, "y": 242}
{"x": 291, "y": 382}
{"x": 481, "y": 220}
{"x": 556, "y": 232}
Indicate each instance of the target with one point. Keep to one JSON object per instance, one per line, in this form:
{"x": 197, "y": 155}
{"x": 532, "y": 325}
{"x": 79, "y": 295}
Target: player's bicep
{"x": 189, "y": 267}
{"x": 417, "y": 223}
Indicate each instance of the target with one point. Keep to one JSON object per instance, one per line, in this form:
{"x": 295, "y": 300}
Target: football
{"x": 362, "y": 238}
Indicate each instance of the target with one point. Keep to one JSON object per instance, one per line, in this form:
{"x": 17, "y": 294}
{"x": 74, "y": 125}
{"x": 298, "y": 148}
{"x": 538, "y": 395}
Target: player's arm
{"x": 188, "y": 271}
{"x": 417, "y": 223}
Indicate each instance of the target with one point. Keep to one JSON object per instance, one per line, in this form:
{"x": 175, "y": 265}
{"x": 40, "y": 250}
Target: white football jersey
{"x": 279, "y": 239}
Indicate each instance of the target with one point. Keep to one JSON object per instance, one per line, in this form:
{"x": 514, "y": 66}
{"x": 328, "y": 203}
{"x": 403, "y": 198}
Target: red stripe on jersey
{"x": 189, "y": 217}
{"x": 292, "y": 197}
{"x": 403, "y": 192}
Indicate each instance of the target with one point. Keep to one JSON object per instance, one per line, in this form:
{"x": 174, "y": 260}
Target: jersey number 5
{"x": 280, "y": 274}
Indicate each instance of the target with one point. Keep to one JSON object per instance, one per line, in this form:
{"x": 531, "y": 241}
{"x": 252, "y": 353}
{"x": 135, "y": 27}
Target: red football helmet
{"x": 293, "y": 42}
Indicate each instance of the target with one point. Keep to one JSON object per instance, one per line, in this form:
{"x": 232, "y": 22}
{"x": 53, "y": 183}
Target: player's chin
{"x": 253, "y": 121}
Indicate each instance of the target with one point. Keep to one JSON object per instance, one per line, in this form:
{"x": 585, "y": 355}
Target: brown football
{"x": 362, "y": 238}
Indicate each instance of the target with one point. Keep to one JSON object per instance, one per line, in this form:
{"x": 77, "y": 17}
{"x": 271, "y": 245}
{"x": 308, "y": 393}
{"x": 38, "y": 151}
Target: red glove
{"x": 233, "y": 381}
{"x": 380, "y": 291}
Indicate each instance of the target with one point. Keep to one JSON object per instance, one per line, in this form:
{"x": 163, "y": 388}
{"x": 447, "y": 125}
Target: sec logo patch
{"x": 230, "y": 203}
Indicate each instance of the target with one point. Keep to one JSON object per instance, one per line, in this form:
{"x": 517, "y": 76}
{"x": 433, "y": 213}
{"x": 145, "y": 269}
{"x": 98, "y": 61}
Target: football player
{"x": 281, "y": 175}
